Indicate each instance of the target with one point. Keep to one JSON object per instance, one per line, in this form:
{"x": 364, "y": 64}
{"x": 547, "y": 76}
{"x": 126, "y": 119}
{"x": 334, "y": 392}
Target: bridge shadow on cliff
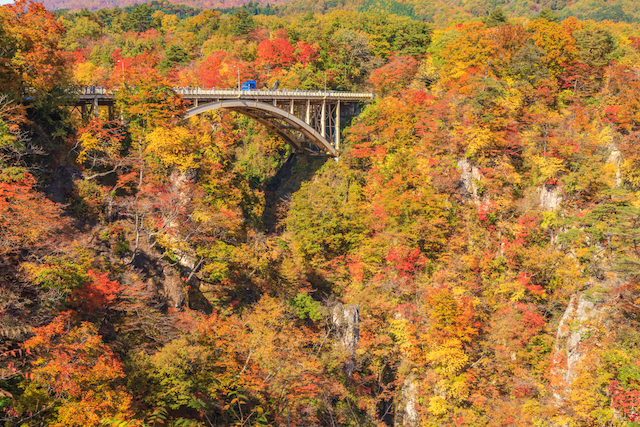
{"x": 278, "y": 190}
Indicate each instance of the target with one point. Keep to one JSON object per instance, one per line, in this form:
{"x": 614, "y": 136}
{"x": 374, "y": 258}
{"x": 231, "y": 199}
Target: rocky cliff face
{"x": 583, "y": 322}
{"x": 550, "y": 197}
{"x": 615, "y": 158}
{"x": 470, "y": 176}
{"x": 346, "y": 320}
{"x": 407, "y": 410}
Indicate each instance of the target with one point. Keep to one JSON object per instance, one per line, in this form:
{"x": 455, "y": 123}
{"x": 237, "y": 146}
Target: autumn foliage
{"x": 472, "y": 258}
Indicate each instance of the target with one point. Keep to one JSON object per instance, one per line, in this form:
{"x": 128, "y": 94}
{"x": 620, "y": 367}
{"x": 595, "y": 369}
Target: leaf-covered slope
{"x": 438, "y": 11}
{"x": 443, "y": 11}
{"x": 165, "y": 5}
{"x": 472, "y": 259}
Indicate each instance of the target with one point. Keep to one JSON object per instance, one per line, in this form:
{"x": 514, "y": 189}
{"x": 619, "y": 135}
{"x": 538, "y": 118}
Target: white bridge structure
{"x": 308, "y": 120}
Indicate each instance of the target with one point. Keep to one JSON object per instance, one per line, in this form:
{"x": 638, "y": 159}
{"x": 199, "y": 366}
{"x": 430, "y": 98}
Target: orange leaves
{"x": 406, "y": 261}
{"x": 26, "y": 216}
{"x": 36, "y": 62}
{"x": 387, "y": 126}
{"x": 395, "y": 75}
{"x": 101, "y": 143}
{"x": 239, "y": 368}
{"x": 513, "y": 327}
{"x": 44, "y": 334}
{"x": 277, "y": 53}
{"x": 306, "y": 52}
{"x": 79, "y": 372}
{"x": 472, "y": 49}
{"x": 148, "y": 101}
{"x": 556, "y": 40}
{"x": 71, "y": 358}
{"x": 452, "y": 317}
{"x": 211, "y": 71}
{"x": 99, "y": 293}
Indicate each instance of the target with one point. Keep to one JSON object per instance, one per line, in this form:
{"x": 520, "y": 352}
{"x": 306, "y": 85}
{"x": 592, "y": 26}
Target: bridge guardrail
{"x": 266, "y": 93}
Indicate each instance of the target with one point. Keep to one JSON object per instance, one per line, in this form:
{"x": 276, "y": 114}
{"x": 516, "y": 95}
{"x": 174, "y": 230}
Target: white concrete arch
{"x": 272, "y": 117}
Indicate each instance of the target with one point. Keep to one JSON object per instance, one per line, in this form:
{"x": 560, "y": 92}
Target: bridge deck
{"x": 102, "y": 93}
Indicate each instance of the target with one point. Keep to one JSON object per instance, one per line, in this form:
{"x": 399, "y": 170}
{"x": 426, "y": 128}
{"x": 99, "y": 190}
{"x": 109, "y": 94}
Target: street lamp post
{"x": 238, "y": 68}
{"x": 122, "y": 63}
{"x": 325, "y": 82}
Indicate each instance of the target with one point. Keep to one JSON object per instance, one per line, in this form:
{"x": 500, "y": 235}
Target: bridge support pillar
{"x": 96, "y": 113}
{"x": 195, "y": 103}
{"x": 337, "y": 130}
{"x": 291, "y": 107}
{"x": 307, "y": 118}
{"x": 323, "y": 119}
{"x": 111, "y": 112}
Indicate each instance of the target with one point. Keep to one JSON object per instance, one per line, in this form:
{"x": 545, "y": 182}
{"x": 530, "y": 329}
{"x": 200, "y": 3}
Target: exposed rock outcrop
{"x": 407, "y": 411}
{"x": 615, "y": 158}
{"x": 346, "y": 321}
{"x": 172, "y": 287}
{"x": 181, "y": 184}
{"x": 550, "y": 197}
{"x": 584, "y": 315}
{"x": 469, "y": 177}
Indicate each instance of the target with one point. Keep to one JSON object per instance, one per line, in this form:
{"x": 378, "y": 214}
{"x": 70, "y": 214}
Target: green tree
{"x": 595, "y": 46}
{"x": 243, "y": 23}
{"x": 549, "y": 15}
{"x": 139, "y": 19}
{"x": 174, "y": 55}
{"x": 607, "y": 238}
{"x": 496, "y": 17}
{"x": 327, "y": 218}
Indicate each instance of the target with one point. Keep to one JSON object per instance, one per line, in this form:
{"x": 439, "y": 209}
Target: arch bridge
{"x": 308, "y": 120}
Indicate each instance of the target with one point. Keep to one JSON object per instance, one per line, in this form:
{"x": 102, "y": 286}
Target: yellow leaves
{"x": 93, "y": 408}
{"x": 556, "y": 41}
{"x": 547, "y": 167}
{"x": 590, "y": 405}
{"x": 438, "y": 406}
{"x": 429, "y": 71}
{"x": 448, "y": 358}
{"x": 87, "y": 74}
{"x": 457, "y": 388}
{"x": 610, "y": 173}
{"x": 88, "y": 142}
{"x": 478, "y": 140}
{"x": 282, "y": 348}
{"x": 101, "y": 143}
{"x": 471, "y": 49}
{"x": 177, "y": 146}
{"x": 514, "y": 289}
{"x": 605, "y": 136}
{"x": 169, "y": 22}
{"x": 398, "y": 326}
{"x": 631, "y": 172}
{"x": 260, "y": 254}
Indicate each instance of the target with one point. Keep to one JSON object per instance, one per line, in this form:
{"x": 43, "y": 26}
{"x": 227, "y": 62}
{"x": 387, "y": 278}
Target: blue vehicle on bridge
{"x": 249, "y": 85}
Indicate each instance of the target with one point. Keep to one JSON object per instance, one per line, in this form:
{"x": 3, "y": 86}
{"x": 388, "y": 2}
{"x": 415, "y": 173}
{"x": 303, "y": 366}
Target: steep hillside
{"x": 442, "y": 11}
{"x": 437, "y": 11}
{"x": 158, "y": 5}
{"x": 472, "y": 258}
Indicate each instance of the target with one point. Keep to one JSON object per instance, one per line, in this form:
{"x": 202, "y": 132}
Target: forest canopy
{"x": 471, "y": 257}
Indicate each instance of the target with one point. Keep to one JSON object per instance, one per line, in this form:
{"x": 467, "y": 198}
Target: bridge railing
{"x": 273, "y": 93}
{"x": 94, "y": 90}
{"x": 253, "y": 93}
